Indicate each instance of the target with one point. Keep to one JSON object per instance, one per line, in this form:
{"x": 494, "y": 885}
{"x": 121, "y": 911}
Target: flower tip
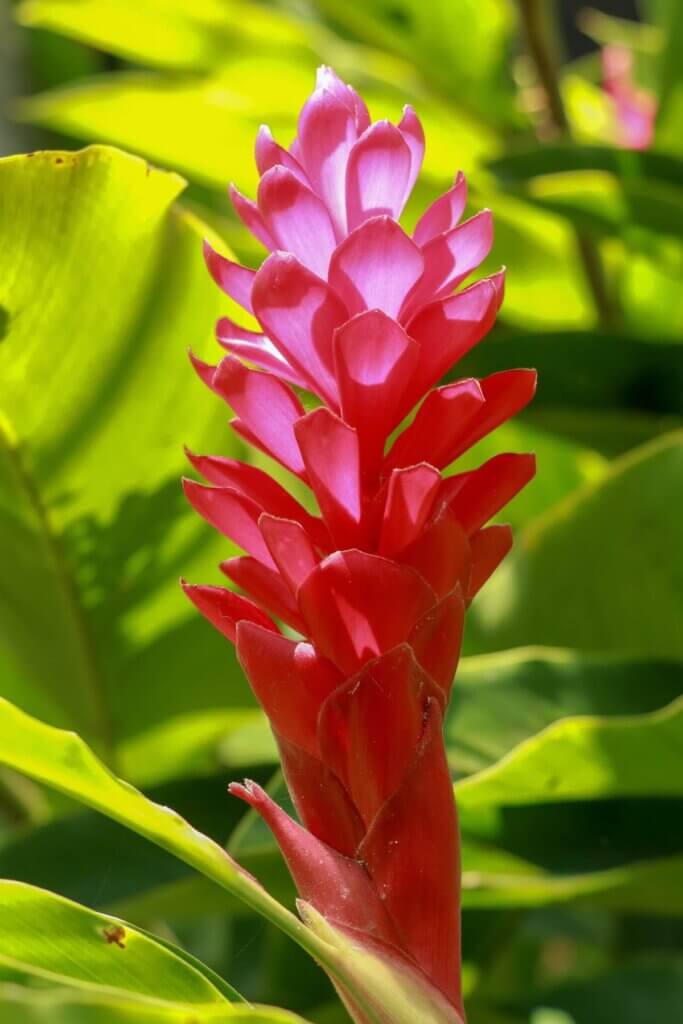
{"x": 190, "y": 487}
{"x": 249, "y": 791}
{"x": 324, "y": 75}
{"x": 204, "y": 371}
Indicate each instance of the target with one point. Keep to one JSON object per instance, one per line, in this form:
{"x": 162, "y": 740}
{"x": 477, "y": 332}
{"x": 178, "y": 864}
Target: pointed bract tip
{"x": 249, "y": 791}
{"x": 204, "y": 371}
{"x": 192, "y": 488}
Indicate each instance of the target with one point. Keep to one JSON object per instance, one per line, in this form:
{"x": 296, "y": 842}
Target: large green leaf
{"x": 178, "y": 34}
{"x": 50, "y": 940}
{"x": 96, "y": 400}
{"x": 587, "y": 758}
{"x": 603, "y": 571}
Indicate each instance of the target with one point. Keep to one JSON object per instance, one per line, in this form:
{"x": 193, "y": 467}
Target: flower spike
{"x": 375, "y": 587}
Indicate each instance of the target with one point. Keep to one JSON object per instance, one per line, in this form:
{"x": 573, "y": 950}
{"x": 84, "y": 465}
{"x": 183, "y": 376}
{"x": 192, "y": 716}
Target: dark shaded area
{"x": 586, "y": 370}
{"x": 569, "y": 837}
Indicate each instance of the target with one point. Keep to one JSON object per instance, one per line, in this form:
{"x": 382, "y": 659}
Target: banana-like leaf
{"x": 96, "y": 400}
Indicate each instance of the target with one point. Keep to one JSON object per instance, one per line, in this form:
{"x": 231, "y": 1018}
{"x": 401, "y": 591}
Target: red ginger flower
{"x": 367, "y": 318}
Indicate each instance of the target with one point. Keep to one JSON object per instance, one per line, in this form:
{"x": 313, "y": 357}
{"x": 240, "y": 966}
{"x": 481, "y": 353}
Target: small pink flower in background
{"x": 636, "y": 108}
{"x": 373, "y": 590}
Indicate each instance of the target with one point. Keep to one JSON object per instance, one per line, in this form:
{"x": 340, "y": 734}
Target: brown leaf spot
{"x": 115, "y": 934}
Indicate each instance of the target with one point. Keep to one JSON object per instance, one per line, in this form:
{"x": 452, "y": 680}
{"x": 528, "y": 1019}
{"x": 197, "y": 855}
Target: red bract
{"x": 368, "y": 319}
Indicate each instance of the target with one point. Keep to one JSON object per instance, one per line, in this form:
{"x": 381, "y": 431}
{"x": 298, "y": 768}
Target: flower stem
{"x": 539, "y": 28}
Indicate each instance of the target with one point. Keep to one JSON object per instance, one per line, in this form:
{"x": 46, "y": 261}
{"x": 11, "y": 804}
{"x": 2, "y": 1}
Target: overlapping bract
{"x": 368, "y": 319}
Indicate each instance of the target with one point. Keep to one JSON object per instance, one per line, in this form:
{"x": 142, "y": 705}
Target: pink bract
{"x": 349, "y": 622}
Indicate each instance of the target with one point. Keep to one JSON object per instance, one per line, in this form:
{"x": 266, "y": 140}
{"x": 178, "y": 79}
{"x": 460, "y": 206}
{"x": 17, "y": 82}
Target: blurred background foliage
{"x": 566, "y": 730}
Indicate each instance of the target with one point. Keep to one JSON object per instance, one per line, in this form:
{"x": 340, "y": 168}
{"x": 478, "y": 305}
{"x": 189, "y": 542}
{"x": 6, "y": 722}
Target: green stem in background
{"x": 539, "y": 27}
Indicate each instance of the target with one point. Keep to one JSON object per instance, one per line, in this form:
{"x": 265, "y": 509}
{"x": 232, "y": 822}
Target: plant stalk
{"x": 538, "y": 21}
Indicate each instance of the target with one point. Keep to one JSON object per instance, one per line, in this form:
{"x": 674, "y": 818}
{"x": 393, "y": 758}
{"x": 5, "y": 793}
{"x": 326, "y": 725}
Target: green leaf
{"x": 647, "y": 887}
{"x": 587, "y": 758}
{"x": 598, "y": 202}
{"x": 76, "y": 947}
{"x": 97, "y": 399}
{"x": 439, "y": 39}
{"x": 501, "y": 700}
{"x": 27, "y": 1006}
{"x": 602, "y": 571}
{"x": 557, "y": 158}
{"x": 178, "y": 34}
{"x": 669, "y": 17}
